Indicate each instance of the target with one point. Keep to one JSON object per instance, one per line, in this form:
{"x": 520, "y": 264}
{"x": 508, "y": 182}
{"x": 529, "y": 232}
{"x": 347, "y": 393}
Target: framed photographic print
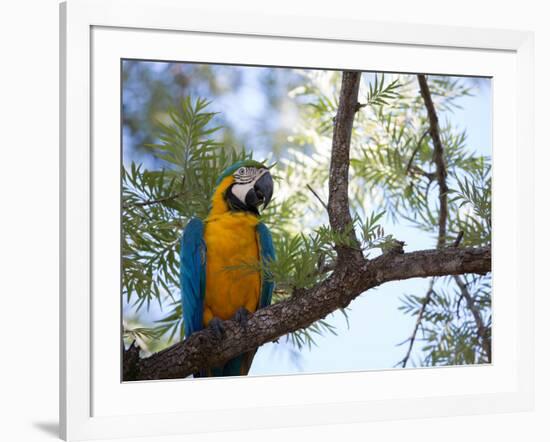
{"x": 334, "y": 213}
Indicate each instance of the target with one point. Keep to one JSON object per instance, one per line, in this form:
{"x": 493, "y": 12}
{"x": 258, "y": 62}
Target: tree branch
{"x": 439, "y": 158}
{"x": 203, "y": 349}
{"x": 441, "y": 176}
{"x": 338, "y": 200}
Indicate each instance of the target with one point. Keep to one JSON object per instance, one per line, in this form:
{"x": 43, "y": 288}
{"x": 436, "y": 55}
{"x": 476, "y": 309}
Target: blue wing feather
{"x": 193, "y": 275}
{"x": 267, "y": 253}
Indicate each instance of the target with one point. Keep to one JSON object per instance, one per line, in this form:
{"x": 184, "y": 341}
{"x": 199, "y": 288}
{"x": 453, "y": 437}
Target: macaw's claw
{"x": 241, "y": 316}
{"x": 217, "y": 328}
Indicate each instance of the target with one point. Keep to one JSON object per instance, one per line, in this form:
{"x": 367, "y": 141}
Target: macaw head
{"x": 245, "y": 186}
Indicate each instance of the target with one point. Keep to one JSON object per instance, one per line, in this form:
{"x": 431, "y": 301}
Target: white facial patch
{"x": 245, "y": 179}
{"x": 240, "y": 190}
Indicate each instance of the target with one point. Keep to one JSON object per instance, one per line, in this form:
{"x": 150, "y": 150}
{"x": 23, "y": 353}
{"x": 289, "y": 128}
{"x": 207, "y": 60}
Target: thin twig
{"x": 458, "y": 238}
{"x": 482, "y": 330}
{"x": 156, "y": 201}
{"x": 430, "y": 175}
{"x": 411, "y": 340}
{"x": 318, "y": 197}
{"x": 418, "y": 145}
{"x": 159, "y": 200}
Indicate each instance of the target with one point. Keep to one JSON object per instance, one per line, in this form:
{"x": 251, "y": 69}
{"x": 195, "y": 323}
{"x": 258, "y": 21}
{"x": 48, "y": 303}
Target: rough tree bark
{"x": 338, "y": 199}
{"x": 352, "y": 276}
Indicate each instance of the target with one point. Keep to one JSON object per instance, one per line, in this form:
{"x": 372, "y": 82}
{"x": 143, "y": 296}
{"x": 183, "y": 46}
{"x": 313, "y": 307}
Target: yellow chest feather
{"x": 231, "y": 241}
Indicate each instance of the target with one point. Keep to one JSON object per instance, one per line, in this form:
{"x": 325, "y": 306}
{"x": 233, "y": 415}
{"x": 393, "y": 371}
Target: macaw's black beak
{"x": 261, "y": 193}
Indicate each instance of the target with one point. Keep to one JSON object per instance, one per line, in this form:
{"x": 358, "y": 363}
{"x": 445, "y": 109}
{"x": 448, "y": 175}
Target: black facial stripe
{"x": 244, "y": 179}
{"x": 235, "y": 204}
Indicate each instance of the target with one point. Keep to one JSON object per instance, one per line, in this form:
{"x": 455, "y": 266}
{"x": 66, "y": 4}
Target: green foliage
{"x": 297, "y": 263}
{"x": 393, "y": 172}
{"x": 449, "y": 334}
{"x": 150, "y": 236}
{"x": 157, "y": 204}
{"x": 446, "y": 90}
{"x": 392, "y": 180}
{"x": 472, "y": 198}
{"x": 304, "y": 260}
{"x": 191, "y": 153}
{"x": 306, "y": 337}
{"x": 171, "y": 325}
{"x": 146, "y": 338}
{"x": 379, "y": 93}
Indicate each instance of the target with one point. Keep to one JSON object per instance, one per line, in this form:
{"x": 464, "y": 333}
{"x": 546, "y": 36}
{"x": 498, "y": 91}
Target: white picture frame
{"x": 90, "y": 398}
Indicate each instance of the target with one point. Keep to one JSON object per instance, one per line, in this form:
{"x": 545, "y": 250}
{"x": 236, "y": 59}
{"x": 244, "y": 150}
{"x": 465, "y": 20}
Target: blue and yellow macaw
{"x": 231, "y": 235}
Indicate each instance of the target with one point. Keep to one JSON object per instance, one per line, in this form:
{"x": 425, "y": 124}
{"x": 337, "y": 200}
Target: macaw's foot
{"x": 216, "y": 326}
{"x": 241, "y": 316}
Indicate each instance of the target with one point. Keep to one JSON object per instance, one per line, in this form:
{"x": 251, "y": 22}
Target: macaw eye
{"x": 240, "y": 171}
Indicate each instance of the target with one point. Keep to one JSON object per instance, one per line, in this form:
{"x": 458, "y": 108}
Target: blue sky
{"x": 376, "y": 325}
